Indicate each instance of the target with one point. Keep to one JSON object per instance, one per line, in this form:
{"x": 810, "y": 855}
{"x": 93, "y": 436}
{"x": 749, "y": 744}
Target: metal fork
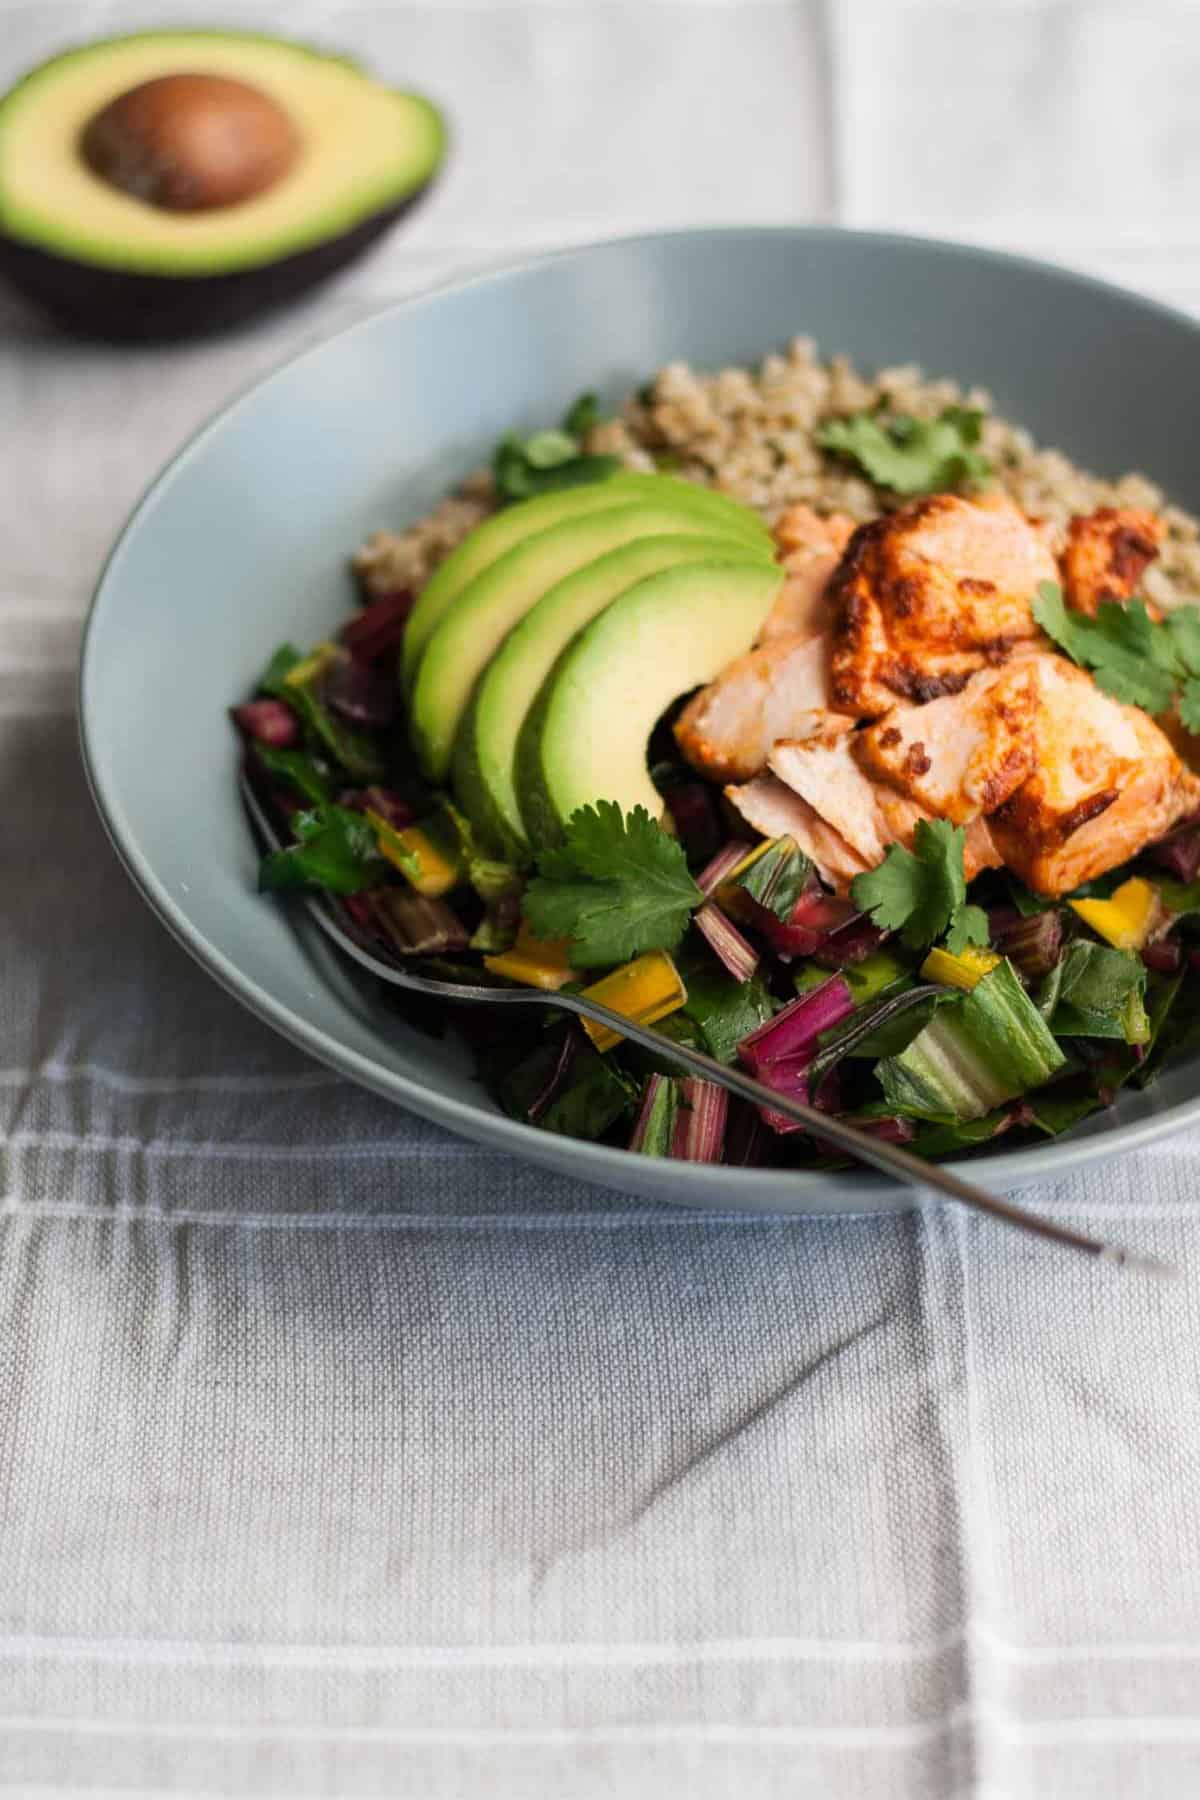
{"x": 889, "y": 1158}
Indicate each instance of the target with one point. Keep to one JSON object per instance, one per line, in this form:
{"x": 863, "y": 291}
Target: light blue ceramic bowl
{"x": 243, "y": 541}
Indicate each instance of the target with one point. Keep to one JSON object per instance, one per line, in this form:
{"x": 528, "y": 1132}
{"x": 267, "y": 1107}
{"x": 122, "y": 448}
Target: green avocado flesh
{"x": 506, "y": 529}
{"x": 487, "y": 609}
{"x": 364, "y": 149}
{"x": 585, "y": 738}
{"x": 484, "y": 766}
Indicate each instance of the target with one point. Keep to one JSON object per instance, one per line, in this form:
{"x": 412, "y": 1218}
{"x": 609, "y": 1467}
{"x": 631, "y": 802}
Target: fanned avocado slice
{"x": 483, "y": 614}
{"x": 585, "y": 737}
{"x": 92, "y": 224}
{"x": 514, "y": 524}
{"x": 485, "y": 753}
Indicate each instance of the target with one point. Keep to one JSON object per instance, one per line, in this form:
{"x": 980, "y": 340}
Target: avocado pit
{"x": 191, "y": 142}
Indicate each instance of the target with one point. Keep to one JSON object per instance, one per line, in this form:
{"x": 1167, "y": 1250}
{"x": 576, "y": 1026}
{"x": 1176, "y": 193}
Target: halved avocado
{"x": 506, "y": 529}
{"x": 485, "y": 612}
{"x": 486, "y": 748}
{"x": 586, "y": 735}
{"x": 93, "y": 226}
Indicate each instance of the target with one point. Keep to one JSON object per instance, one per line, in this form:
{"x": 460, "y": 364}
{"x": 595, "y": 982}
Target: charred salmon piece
{"x": 1106, "y": 782}
{"x": 812, "y": 547}
{"x": 962, "y": 756}
{"x": 929, "y": 594}
{"x": 1107, "y": 553}
{"x": 775, "y": 810}
{"x": 726, "y": 730}
{"x": 866, "y": 815}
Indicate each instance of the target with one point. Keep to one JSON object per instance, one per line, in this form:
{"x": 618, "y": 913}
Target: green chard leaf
{"x": 272, "y": 680}
{"x": 334, "y": 850}
{"x": 357, "y": 753}
{"x": 724, "y": 1010}
{"x": 617, "y": 886}
{"x": 1096, "y": 992}
{"x": 299, "y": 770}
{"x": 922, "y": 892}
{"x": 911, "y": 456}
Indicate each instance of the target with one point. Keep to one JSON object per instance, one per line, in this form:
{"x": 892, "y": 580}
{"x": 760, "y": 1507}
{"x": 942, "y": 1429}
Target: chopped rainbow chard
{"x": 701, "y": 1111}
{"x": 415, "y": 925}
{"x": 359, "y": 694}
{"x": 294, "y": 769}
{"x": 378, "y": 629}
{"x": 767, "y": 883}
{"x": 722, "y": 864}
{"x": 795, "y": 1031}
{"x": 270, "y": 722}
{"x": 1165, "y": 957}
{"x": 883, "y": 1027}
{"x": 557, "y": 1071}
{"x": 1033, "y": 945}
{"x": 726, "y": 942}
{"x": 793, "y": 1079}
{"x": 1179, "y": 853}
{"x": 655, "y": 1127}
{"x": 779, "y": 1053}
{"x": 389, "y": 805}
{"x": 851, "y": 943}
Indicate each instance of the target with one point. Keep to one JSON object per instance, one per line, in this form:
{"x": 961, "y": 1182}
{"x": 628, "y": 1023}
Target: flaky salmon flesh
{"x": 909, "y": 680}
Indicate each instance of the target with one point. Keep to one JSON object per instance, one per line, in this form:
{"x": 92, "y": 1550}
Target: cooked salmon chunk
{"x": 929, "y": 594}
{"x": 961, "y": 756}
{"x": 825, "y": 772}
{"x": 1107, "y": 553}
{"x": 866, "y": 814}
{"x": 775, "y": 810}
{"x": 1105, "y": 783}
{"x": 812, "y": 547}
{"x": 779, "y": 690}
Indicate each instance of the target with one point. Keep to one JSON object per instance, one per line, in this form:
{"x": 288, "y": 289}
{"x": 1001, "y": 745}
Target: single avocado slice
{"x": 485, "y": 753}
{"x": 481, "y": 617}
{"x": 585, "y": 737}
{"x": 511, "y": 526}
{"x": 109, "y": 253}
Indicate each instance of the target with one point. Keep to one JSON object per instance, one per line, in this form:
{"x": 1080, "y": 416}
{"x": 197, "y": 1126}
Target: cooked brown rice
{"x": 751, "y": 434}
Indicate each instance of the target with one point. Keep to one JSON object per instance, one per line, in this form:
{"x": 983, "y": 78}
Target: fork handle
{"x": 891, "y": 1159}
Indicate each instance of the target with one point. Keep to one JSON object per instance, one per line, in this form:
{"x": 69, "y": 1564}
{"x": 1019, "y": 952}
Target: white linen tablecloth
{"x": 339, "y": 1457}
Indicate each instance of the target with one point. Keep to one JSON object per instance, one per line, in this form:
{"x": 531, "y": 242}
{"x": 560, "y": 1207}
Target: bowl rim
{"x": 803, "y": 1193}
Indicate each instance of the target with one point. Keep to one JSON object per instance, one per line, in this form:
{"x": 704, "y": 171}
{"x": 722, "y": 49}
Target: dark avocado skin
{"x": 116, "y": 306}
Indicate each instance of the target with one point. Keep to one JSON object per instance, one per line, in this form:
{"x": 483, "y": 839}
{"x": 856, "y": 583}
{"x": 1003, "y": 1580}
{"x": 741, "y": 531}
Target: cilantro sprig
{"x": 911, "y": 456}
{"x": 618, "y": 885}
{"x": 1142, "y": 661}
{"x": 551, "y": 459}
{"x": 922, "y": 892}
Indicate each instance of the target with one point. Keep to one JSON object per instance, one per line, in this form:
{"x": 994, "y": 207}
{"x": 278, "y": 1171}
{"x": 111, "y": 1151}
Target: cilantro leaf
{"x": 911, "y": 456}
{"x": 554, "y": 458}
{"x": 1189, "y": 704}
{"x": 922, "y": 892}
{"x": 582, "y": 415}
{"x": 1139, "y": 660}
{"x": 334, "y": 849}
{"x": 968, "y": 926}
{"x": 618, "y": 885}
